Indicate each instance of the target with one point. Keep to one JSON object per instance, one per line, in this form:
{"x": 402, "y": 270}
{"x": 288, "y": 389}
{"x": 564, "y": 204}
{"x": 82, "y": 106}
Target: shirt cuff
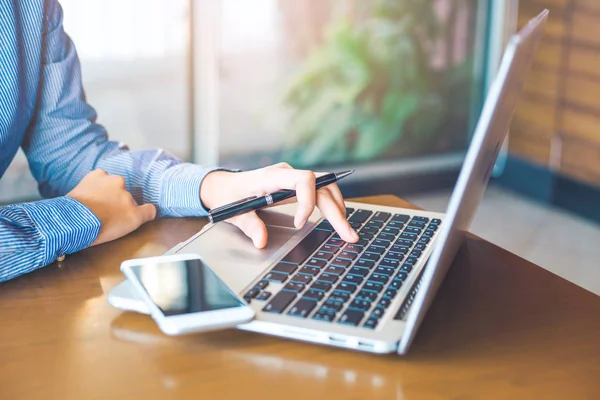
{"x": 66, "y": 225}
{"x": 180, "y": 193}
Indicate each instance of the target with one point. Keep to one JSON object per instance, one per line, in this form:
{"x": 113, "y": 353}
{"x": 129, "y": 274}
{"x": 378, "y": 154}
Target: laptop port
{"x": 366, "y": 345}
{"x": 337, "y": 339}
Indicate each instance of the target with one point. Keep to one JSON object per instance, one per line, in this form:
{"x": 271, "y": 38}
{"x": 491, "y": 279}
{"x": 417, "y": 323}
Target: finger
{"x": 283, "y": 165}
{"x": 147, "y": 212}
{"x": 98, "y": 172}
{"x": 253, "y": 227}
{"x": 331, "y": 211}
{"x": 336, "y": 193}
{"x": 118, "y": 180}
{"x": 306, "y": 196}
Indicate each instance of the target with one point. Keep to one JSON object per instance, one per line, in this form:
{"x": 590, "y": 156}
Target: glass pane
{"x": 135, "y": 65}
{"x": 317, "y": 82}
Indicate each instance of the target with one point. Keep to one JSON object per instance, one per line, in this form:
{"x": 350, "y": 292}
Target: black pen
{"x": 255, "y": 203}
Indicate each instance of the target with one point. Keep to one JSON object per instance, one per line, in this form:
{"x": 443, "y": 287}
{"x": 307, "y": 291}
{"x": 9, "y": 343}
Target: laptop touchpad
{"x": 232, "y": 254}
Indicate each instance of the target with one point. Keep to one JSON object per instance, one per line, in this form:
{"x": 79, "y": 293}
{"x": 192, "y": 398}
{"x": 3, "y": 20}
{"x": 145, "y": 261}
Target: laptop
{"x": 372, "y": 296}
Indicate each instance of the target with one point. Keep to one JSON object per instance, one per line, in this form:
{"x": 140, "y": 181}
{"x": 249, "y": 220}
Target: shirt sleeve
{"x": 64, "y": 142}
{"x": 33, "y": 235}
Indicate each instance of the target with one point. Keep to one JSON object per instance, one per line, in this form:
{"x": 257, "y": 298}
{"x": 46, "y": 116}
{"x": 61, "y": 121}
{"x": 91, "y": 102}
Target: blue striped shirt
{"x": 44, "y": 111}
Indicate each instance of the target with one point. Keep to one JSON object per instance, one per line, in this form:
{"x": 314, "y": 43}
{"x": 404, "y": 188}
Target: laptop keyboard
{"x": 330, "y": 280}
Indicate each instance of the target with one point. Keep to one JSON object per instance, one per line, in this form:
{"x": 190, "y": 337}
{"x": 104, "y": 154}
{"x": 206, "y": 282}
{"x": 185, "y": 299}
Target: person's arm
{"x": 33, "y": 235}
{"x": 64, "y": 142}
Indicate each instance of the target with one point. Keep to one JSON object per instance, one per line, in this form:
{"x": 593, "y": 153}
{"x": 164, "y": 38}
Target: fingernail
{"x": 353, "y": 234}
{"x": 301, "y": 223}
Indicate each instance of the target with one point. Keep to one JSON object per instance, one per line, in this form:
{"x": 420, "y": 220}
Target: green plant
{"x": 367, "y": 84}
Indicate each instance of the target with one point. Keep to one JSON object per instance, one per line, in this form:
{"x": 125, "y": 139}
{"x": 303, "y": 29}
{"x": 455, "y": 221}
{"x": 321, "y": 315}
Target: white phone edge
{"x": 189, "y": 323}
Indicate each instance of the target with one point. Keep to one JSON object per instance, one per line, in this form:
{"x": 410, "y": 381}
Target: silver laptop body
{"x": 242, "y": 266}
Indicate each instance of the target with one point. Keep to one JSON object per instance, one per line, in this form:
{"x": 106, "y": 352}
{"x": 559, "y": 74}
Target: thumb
{"x": 147, "y": 212}
{"x": 253, "y": 227}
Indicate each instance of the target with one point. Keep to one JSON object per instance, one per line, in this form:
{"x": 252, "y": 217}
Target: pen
{"x": 255, "y": 202}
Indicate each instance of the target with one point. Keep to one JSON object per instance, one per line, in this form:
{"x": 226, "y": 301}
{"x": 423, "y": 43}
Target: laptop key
{"x": 381, "y": 216}
{"x": 302, "y": 308}
{"x": 263, "y": 296}
{"x": 381, "y": 243}
{"x": 400, "y": 218}
{"x": 410, "y": 261}
{"x": 335, "y": 242}
{"x": 317, "y": 263}
{"x": 346, "y": 287}
{"x": 280, "y": 302}
{"x": 322, "y": 255}
{"x": 262, "y": 284}
{"x": 360, "y": 216}
{"x": 332, "y": 304}
{"x": 370, "y": 256}
{"x": 347, "y": 255}
{"x": 410, "y": 236}
{"x": 364, "y": 263}
{"x": 412, "y": 229}
{"x": 421, "y": 219}
{"x": 300, "y": 278}
{"x": 335, "y": 270}
{"x": 393, "y": 230}
{"x": 325, "y": 226}
{"x": 361, "y": 305}
{"x": 404, "y": 242}
{"x": 386, "y": 236}
{"x": 394, "y": 224}
{"x": 359, "y": 271}
{"x": 329, "y": 278}
{"x": 428, "y": 233}
{"x": 349, "y": 210}
{"x": 351, "y": 317}
{"x": 353, "y": 248}
{"x": 406, "y": 269}
{"x": 276, "y": 277}
{"x": 390, "y": 293}
{"x": 355, "y": 225}
{"x": 417, "y": 224}
{"x": 416, "y": 253}
{"x": 371, "y": 323}
{"x": 339, "y": 295}
{"x": 389, "y": 271}
{"x": 321, "y": 285}
{"x": 294, "y": 287}
{"x": 365, "y": 235}
{"x": 396, "y": 284}
{"x": 369, "y": 229}
{"x": 384, "y": 303}
{"x": 377, "y": 312}
{"x": 309, "y": 271}
{"x": 340, "y": 262}
{"x": 353, "y": 279}
{"x": 401, "y": 276}
{"x": 314, "y": 294}
{"x": 436, "y": 221}
{"x": 252, "y": 293}
{"x": 424, "y": 240}
{"x": 394, "y": 256}
{"x": 366, "y": 295}
{"x": 323, "y": 315}
{"x": 284, "y": 268}
{"x": 373, "y": 287}
{"x": 376, "y": 224}
{"x": 378, "y": 278}
{"x": 389, "y": 262}
{"x": 376, "y": 250}
{"x": 306, "y": 247}
{"x": 327, "y": 248}
{"x": 420, "y": 246}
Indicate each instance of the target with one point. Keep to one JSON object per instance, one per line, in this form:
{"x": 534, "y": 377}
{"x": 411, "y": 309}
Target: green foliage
{"x": 368, "y": 84}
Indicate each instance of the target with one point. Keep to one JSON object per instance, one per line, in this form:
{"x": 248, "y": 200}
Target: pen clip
{"x": 235, "y": 203}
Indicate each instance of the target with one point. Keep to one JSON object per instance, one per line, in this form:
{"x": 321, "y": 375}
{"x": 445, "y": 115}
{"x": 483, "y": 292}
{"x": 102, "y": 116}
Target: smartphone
{"x": 184, "y": 294}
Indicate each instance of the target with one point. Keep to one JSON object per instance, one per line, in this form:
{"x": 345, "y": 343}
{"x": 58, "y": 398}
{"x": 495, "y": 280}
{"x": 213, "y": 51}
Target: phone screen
{"x": 185, "y": 287}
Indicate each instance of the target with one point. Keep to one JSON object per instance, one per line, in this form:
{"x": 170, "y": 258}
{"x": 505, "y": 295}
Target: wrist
{"x": 216, "y": 186}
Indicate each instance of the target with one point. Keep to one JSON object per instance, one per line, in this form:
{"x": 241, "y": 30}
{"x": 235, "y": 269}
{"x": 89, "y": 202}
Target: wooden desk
{"x": 500, "y": 327}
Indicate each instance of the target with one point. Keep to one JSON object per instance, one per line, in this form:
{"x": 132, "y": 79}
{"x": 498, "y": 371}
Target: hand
{"x": 105, "y": 195}
{"x": 222, "y": 187}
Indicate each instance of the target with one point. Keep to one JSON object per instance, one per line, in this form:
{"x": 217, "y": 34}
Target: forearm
{"x": 33, "y": 235}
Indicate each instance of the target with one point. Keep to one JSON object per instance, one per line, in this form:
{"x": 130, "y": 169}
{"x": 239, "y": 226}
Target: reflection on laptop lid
{"x": 489, "y": 135}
